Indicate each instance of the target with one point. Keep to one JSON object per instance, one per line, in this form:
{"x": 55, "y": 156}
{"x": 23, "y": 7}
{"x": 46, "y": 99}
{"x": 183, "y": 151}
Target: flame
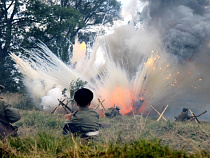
{"x": 150, "y": 61}
{"x": 83, "y": 47}
{"x": 120, "y": 97}
{"x": 141, "y": 99}
{"x": 79, "y": 50}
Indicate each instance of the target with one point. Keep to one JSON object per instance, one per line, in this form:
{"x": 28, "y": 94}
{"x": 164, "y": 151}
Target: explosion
{"x": 158, "y": 64}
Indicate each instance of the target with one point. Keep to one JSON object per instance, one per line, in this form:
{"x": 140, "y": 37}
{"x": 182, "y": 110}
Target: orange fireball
{"x": 122, "y": 98}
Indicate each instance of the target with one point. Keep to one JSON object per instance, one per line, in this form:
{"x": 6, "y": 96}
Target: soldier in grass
{"x": 113, "y": 112}
{"x": 183, "y": 116}
{"x": 85, "y": 121}
{"x": 8, "y": 115}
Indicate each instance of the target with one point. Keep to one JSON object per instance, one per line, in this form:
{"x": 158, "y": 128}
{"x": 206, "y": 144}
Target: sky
{"x": 124, "y": 2}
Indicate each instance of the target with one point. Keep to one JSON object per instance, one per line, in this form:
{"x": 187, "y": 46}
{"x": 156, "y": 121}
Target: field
{"x": 40, "y": 135}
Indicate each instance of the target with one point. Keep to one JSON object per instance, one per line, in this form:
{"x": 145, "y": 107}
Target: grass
{"x": 129, "y": 136}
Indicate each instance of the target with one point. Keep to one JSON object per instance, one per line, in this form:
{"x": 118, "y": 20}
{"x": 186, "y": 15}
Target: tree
{"x": 11, "y": 28}
{"x": 54, "y": 26}
{"x": 24, "y": 22}
{"x": 95, "y": 11}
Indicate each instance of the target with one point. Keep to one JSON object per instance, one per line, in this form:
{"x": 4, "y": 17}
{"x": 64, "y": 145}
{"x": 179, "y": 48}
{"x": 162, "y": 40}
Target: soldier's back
{"x": 182, "y": 116}
{"x": 112, "y": 112}
{"x": 8, "y": 115}
{"x": 86, "y": 119}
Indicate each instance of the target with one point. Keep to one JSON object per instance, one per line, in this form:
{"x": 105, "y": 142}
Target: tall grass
{"x": 20, "y": 101}
{"x": 45, "y": 144}
{"x": 40, "y": 135}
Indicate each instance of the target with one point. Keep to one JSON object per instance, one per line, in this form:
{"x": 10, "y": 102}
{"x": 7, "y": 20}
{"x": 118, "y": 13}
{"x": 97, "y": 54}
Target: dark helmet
{"x": 184, "y": 110}
{"x": 117, "y": 107}
{"x": 83, "y": 96}
{"x": 2, "y": 87}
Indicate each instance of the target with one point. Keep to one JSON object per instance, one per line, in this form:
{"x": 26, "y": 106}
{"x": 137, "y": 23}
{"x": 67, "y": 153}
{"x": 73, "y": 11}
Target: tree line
{"x": 54, "y": 22}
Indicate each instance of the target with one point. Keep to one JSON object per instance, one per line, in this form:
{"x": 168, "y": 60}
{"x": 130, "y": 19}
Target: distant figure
{"x": 8, "y": 115}
{"x": 85, "y": 121}
{"x": 113, "y": 112}
{"x": 183, "y": 116}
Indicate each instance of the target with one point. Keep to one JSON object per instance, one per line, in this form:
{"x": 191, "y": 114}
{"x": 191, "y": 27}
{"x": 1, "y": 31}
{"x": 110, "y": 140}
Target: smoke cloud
{"x": 165, "y": 60}
{"x": 184, "y": 29}
{"x": 184, "y": 25}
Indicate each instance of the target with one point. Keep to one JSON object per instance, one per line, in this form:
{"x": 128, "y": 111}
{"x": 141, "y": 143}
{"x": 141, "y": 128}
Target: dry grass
{"x": 40, "y": 136}
{"x": 13, "y": 98}
{"x": 189, "y": 137}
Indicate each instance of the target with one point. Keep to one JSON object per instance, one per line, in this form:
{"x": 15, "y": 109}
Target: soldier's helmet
{"x": 2, "y": 87}
{"x": 184, "y": 110}
{"x": 117, "y": 107}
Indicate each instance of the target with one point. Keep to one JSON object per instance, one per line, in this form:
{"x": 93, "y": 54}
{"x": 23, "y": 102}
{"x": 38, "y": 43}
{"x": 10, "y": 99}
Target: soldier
{"x": 85, "y": 121}
{"x": 113, "y": 112}
{"x": 8, "y": 115}
{"x": 183, "y": 116}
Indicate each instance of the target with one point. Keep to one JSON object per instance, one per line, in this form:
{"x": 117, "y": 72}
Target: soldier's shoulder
{"x": 93, "y": 111}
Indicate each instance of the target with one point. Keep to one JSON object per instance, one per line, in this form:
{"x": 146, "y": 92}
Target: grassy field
{"x": 40, "y": 135}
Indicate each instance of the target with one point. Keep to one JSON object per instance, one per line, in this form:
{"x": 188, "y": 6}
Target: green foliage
{"x": 56, "y": 25}
{"x": 38, "y": 119}
{"x": 76, "y": 85}
{"x": 12, "y": 26}
{"x": 42, "y": 143}
{"x": 25, "y": 104}
{"x": 73, "y": 87}
{"x": 144, "y": 148}
{"x": 95, "y": 11}
{"x": 48, "y": 145}
{"x": 64, "y": 92}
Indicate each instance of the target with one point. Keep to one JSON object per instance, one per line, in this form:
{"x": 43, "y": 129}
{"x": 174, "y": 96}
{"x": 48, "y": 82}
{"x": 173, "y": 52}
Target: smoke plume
{"x": 184, "y": 29}
{"x": 163, "y": 61}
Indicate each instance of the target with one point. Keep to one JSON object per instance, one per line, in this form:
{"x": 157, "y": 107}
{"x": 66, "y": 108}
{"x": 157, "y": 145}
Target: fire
{"x": 150, "y": 61}
{"x": 83, "y": 47}
{"x": 120, "y": 97}
{"x": 79, "y": 50}
{"x": 141, "y": 99}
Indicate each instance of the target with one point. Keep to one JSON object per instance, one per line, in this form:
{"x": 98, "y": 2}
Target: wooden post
{"x": 99, "y": 105}
{"x": 158, "y": 113}
{"x": 56, "y": 108}
{"x": 60, "y": 103}
{"x": 196, "y": 119}
{"x": 162, "y": 113}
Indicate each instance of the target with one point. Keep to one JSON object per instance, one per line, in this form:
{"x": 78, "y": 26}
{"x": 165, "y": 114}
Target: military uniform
{"x": 183, "y": 116}
{"x": 83, "y": 122}
{"x": 113, "y": 112}
{"x": 8, "y": 115}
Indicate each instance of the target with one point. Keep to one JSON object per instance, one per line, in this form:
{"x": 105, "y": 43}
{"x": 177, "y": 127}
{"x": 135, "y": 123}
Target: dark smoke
{"x": 183, "y": 24}
{"x": 184, "y": 30}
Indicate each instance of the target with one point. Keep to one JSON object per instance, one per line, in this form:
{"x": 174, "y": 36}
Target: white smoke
{"x": 166, "y": 61}
{"x": 48, "y": 102}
